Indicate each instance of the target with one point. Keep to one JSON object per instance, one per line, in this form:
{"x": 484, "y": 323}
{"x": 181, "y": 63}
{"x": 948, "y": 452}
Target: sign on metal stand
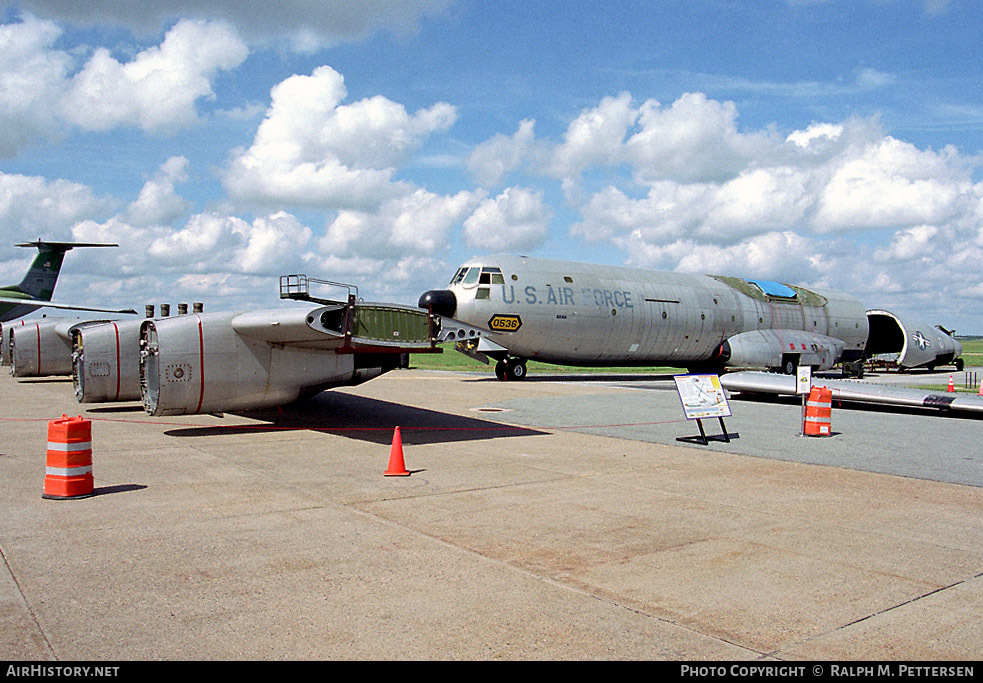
{"x": 803, "y": 385}
{"x": 703, "y": 398}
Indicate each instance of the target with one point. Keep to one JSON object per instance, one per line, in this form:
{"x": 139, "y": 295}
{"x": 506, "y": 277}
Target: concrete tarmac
{"x": 541, "y": 520}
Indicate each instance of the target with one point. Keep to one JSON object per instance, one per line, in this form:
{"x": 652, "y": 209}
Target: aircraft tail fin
{"x": 40, "y": 279}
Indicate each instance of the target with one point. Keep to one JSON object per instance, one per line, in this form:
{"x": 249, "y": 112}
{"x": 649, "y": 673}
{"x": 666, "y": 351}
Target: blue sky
{"x": 832, "y": 143}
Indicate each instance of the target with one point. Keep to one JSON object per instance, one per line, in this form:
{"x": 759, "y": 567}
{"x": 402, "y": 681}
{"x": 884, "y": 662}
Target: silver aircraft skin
{"x": 216, "y": 362}
{"x": 912, "y": 342}
{"x": 572, "y": 313}
{"x": 582, "y": 314}
{"x": 225, "y": 361}
{"x": 857, "y": 392}
{"x": 42, "y": 348}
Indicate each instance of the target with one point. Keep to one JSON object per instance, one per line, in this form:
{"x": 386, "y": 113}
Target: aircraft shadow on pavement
{"x": 117, "y": 408}
{"x": 587, "y": 377}
{"x": 365, "y": 419}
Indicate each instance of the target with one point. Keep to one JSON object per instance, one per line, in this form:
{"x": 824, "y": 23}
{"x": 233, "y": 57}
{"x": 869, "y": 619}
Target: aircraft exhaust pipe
{"x": 198, "y": 307}
{"x": 440, "y": 301}
{"x": 149, "y": 308}
{"x": 182, "y": 309}
{"x": 165, "y": 310}
{"x": 723, "y": 353}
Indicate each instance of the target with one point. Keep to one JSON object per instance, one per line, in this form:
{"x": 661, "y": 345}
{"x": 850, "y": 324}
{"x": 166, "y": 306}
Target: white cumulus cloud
{"x": 32, "y": 76}
{"x": 42, "y": 95}
{"x": 33, "y": 207}
{"x": 517, "y": 219}
{"x": 415, "y": 224}
{"x": 157, "y": 89}
{"x": 491, "y": 161}
{"x": 158, "y": 203}
{"x": 213, "y": 242}
{"x": 312, "y": 150}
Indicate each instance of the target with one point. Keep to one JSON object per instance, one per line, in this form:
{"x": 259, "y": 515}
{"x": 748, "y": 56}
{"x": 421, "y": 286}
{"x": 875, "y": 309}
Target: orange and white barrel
{"x": 818, "y": 414}
{"x": 68, "y": 474}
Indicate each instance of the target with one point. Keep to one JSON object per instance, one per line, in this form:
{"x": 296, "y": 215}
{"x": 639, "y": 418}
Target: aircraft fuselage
{"x": 572, "y": 313}
{"x": 12, "y": 311}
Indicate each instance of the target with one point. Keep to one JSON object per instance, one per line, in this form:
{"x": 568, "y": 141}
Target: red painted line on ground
{"x": 497, "y": 427}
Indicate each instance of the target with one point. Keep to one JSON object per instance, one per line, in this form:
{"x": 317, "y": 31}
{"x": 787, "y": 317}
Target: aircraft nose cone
{"x": 440, "y": 301}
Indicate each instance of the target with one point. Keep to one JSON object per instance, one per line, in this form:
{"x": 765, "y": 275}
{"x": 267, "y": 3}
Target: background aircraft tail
{"x": 39, "y": 282}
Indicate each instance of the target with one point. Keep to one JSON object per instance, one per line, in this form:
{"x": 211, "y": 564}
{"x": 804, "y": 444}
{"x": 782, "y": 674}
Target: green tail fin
{"x": 41, "y": 277}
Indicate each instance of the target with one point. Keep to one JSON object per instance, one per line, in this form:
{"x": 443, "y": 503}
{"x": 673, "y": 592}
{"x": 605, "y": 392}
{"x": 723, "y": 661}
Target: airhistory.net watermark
{"x": 43, "y": 670}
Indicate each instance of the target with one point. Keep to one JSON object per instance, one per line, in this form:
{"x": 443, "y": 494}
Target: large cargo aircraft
{"x": 571, "y": 313}
{"x": 35, "y": 289}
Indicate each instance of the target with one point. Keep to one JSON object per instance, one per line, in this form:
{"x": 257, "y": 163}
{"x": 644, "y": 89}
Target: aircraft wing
{"x": 51, "y": 304}
{"x": 218, "y": 362}
{"x": 854, "y": 391}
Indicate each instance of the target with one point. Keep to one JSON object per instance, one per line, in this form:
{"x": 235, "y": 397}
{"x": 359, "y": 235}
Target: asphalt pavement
{"x": 540, "y": 520}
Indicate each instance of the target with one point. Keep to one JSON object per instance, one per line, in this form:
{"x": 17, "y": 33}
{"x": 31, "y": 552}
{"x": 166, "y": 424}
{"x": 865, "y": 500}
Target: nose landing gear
{"x": 511, "y": 369}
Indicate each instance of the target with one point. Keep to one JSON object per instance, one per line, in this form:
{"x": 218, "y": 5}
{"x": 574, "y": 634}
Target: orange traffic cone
{"x": 981, "y": 388}
{"x": 951, "y": 387}
{"x": 396, "y": 466}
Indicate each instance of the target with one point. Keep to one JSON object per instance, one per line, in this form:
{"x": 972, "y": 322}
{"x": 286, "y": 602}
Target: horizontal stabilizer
{"x": 854, "y": 391}
{"x": 62, "y": 246}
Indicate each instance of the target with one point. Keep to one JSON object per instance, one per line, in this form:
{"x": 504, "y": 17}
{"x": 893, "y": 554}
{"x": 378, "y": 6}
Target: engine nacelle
{"x": 106, "y": 362}
{"x": 44, "y": 348}
{"x": 785, "y": 349}
{"x": 5, "y": 332}
{"x": 216, "y": 362}
{"x": 915, "y": 342}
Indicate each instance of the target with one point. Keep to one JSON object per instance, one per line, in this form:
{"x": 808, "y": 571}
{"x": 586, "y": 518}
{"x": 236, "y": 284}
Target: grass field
{"x": 972, "y": 351}
{"x": 454, "y": 361}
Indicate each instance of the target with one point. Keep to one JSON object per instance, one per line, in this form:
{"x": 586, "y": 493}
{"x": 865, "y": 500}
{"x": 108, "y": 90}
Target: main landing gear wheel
{"x": 511, "y": 369}
{"x": 500, "y": 370}
{"x": 853, "y": 369}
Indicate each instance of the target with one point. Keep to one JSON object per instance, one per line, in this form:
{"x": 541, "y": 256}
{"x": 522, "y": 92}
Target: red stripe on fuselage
{"x": 117, "y": 360}
{"x": 201, "y": 364}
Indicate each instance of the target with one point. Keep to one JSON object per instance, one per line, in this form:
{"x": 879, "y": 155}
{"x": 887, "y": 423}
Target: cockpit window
{"x": 473, "y": 275}
{"x": 492, "y": 276}
{"x": 774, "y": 290}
